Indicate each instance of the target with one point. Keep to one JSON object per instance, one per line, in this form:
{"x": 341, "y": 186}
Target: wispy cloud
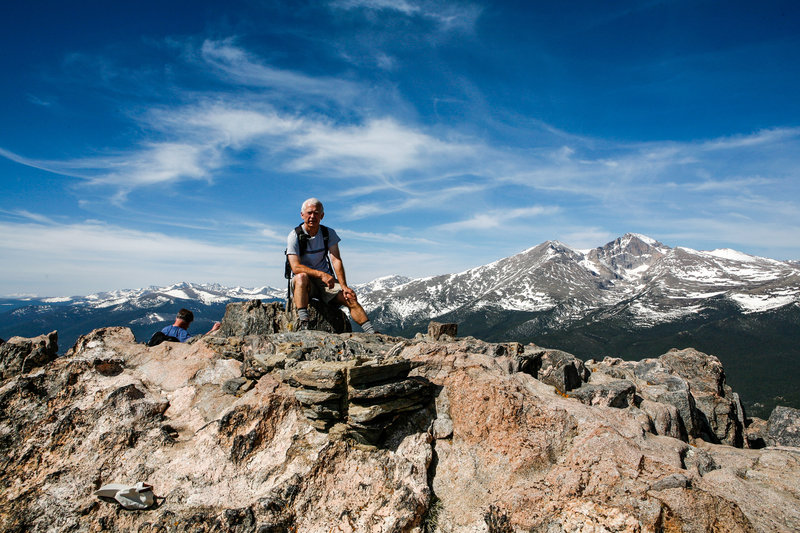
{"x": 274, "y": 235}
{"x": 157, "y": 163}
{"x": 711, "y": 184}
{"x": 761, "y": 138}
{"x": 232, "y": 124}
{"x": 377, "y": 147}
{"x": 429, "y": 198}
{"x": 407, "y": 8}
{"x": 448, "y": 16}
{"x": 739, "y": 232}
{"x": 586, "y": 238}
{"x": 39, "y": 101}
{"x": 388, "y": 239}
{"x": 27, "y": 216}
{"x": 240, "y": 67}
{"x": 498, "y": 218}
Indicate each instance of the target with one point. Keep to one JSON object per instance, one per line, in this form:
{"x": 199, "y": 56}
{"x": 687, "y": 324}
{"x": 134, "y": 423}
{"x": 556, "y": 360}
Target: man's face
{"x": 312, "y": 214}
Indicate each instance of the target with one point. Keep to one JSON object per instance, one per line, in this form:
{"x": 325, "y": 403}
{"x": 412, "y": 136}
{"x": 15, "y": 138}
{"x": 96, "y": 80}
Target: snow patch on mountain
{"x": 644, "y": 238}
{"x": 650, "y": 316}
{"x": 151, "y": 318}
{"x": 727, "y": 253}
{"x": 758, "y": 303}
{"x": 61, "y": 299}
{"x": 110, "y": 302}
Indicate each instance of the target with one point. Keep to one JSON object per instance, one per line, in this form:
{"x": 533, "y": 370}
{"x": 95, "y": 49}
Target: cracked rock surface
{"x": 314, "y": 431}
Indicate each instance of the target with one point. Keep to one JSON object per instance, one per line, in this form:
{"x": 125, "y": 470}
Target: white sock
{"x": 367, "y": 327}
{"x": 302, "y": 313}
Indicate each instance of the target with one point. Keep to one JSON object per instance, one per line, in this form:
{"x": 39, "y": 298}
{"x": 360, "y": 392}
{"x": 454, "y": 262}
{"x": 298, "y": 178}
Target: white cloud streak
{"x": 407, "y": 8}
{"x": 378, "y": 147}
{"x": 240, "y": 67}
{"x": 498, "y": 218}
{"x": 449, "y": 17}
{"x": 97, "y": 256}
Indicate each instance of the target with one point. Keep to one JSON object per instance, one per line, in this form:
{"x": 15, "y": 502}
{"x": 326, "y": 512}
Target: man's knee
{"x": 300, "y": 280}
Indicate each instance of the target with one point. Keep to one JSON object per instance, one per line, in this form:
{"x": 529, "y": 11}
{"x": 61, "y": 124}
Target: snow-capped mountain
{"x": 154, "y": 296}
{"x": 142, "y": 310}
{"x": 653, "y": 282}
{"x": 632, "y": 298}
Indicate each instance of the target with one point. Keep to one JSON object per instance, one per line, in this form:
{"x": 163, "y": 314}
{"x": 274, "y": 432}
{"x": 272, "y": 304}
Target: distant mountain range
{"x": 632, "y": 298}
{"x": 142, "y": 310}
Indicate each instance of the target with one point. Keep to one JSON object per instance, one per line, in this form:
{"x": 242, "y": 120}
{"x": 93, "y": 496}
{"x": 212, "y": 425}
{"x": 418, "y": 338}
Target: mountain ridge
{"x": 631, "y": 265}
{"x": 633, "y": 297}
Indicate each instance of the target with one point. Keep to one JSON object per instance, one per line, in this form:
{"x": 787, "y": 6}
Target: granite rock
{"x": 692, "y": 383}
{"x": 437, "y": 329}
{"x": 452, "y": 435}
{"x": 20, "y": 355}
{"x": 784, "y": 427}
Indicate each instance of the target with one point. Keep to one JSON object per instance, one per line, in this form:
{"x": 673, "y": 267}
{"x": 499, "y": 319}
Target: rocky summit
{"x": 259, "y": 428}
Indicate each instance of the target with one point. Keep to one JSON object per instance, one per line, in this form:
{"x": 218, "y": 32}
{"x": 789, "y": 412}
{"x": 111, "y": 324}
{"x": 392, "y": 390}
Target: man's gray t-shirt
{"x": 315, "y": 249}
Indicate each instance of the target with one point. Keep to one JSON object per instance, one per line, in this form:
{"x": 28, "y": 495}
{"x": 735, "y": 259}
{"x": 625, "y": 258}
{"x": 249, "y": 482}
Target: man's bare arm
{"x": 300, "y": 268}
{"x": 338, "y": 268}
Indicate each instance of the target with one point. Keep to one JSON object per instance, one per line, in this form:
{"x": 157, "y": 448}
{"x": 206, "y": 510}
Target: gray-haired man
{"x": 317, "y": 269}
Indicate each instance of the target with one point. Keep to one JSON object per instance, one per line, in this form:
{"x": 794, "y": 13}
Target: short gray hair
{"x": 312, "y": 201}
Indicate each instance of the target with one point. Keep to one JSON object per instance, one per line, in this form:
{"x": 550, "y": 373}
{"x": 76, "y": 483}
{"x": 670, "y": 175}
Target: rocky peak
{"x": 259, "y": 430}
{"x": 628, "y": 253}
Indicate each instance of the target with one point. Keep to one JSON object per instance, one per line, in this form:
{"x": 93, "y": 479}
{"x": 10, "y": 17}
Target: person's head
{"x": 312, "y": 212}
{"x": 185, "y": 316}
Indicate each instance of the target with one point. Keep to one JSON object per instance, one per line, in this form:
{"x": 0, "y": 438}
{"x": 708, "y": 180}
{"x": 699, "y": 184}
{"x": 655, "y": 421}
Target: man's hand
{"x": 214, "y": 328}
{"x": 349, "y": 294}
{"x": 328, "y": 280}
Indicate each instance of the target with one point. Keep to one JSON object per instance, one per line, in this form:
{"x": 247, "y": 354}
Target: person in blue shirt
{"x": 180, "y": 328}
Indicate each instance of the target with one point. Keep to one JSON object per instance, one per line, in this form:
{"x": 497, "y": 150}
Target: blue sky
{"x": 146, "y": 143}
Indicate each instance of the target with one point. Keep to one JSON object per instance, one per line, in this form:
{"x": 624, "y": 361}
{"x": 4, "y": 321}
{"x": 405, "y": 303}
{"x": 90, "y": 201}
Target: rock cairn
{"x": 365, "y": 397}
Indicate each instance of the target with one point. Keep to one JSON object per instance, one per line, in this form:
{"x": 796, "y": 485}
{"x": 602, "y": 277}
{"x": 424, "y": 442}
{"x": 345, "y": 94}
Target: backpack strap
{"x": 325, "y": 236}
{"x": 303, "y": 238}
{"x": 302, "y": 241}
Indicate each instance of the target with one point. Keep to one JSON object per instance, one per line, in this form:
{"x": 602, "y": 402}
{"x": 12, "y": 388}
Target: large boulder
{"x": 437, "y": 329}
{"x": 784, "y": 427}
{"x": 325, "y": 317}
{"x": 252, "y": 317}
{"x": 683, "y": 393}
{"x": 720, "y": 411}
{"x": 21, "y": 355}
{"x": 560, "y": 369}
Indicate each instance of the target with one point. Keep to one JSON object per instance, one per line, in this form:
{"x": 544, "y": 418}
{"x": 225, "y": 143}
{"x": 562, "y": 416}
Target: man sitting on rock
{"x": 179, "y": 329}
{"x": 317, "y": 268}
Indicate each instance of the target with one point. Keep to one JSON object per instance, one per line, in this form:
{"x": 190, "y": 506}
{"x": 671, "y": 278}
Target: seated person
{"x": 179, "y": 329}
{"x": 317, "y": 270}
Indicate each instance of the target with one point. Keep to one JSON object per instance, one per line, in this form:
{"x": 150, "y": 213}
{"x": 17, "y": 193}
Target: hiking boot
{"x": 301, "y": 325}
